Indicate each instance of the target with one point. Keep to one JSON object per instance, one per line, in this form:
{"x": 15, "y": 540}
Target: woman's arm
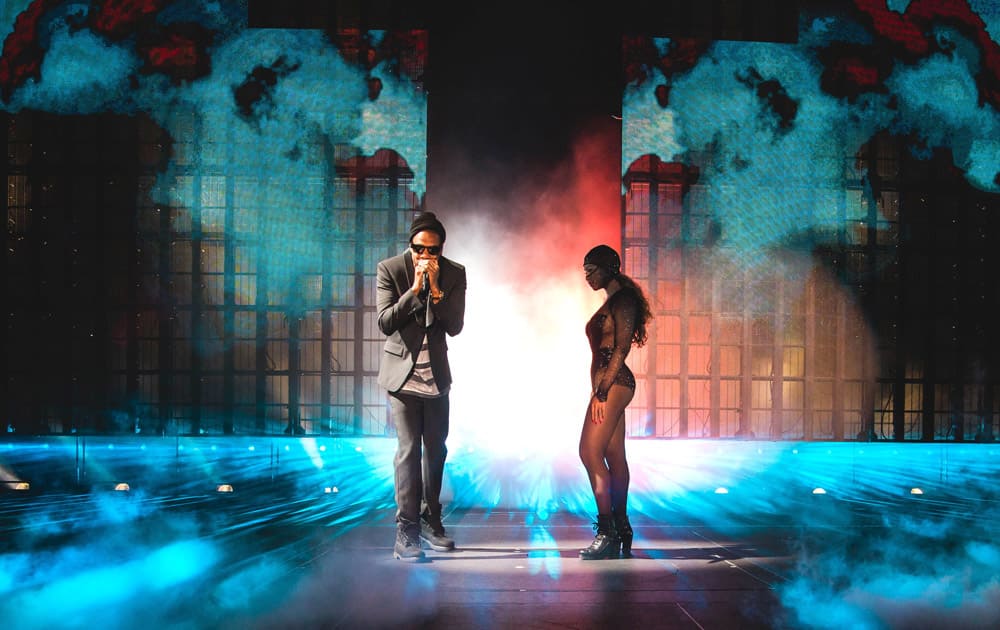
{"x": 623, "y": 314}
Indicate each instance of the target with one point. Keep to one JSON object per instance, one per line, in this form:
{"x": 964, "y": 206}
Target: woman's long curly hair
{"x": 642, "y": 314}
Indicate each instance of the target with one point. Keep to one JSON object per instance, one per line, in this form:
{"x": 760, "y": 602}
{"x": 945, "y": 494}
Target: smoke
{"x": 397, "y": 120}
{"x": 938, "y": 101}
{"x": 989, "y": 12}
{"x": 866, "y": 554}
{"x": 927, "y": 573}
{"x": 82, "y": 75}
{"x": 9, "y": 10}
{"x": 281, "y": 198}
{"x": 774, "y": 146}
{"x": 270, "y": 111}
{"x": 766, "y": 184}
{"x": 106, "y": 559}
{"x": 527, "y": 301}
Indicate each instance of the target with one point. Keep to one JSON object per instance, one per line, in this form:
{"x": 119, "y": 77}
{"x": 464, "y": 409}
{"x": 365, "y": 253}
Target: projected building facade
{"x": 172, "y": 274}
{"x": 816, "y": 246}
{"x": 195, "y": 253}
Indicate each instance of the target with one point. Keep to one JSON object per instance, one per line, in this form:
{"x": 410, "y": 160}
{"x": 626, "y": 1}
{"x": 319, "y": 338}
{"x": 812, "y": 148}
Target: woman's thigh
{"x": 595, "y": 437}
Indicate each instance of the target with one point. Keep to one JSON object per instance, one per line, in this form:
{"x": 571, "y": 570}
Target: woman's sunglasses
{"x": 433, "y": 250}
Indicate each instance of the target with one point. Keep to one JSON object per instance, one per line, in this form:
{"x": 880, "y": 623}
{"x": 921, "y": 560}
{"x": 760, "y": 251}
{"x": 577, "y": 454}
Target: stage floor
{"x": 198, "y": 565}
{"x": 508, "y": 573}
{"x": 746, "y": 543}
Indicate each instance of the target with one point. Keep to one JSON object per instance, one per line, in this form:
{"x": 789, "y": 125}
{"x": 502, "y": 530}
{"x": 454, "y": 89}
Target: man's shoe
{"x": 432, "y": 531}
{"x": 407, "y": 546}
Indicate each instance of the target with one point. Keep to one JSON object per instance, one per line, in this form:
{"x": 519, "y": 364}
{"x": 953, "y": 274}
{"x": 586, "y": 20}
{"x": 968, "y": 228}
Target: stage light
{"x": 916, "y": 491}
{"x": 122, "y": 487}
{"x": 721, "y": 490}
{"x": 22, "y": 486}
{"x": 819, "y": 491}
{"x": 331, "y": 490}
{"x": 224, "y": 487}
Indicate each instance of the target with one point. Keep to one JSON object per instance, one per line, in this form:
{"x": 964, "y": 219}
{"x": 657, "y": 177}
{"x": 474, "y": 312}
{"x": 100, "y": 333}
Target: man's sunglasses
{"x": 433, "y": 250}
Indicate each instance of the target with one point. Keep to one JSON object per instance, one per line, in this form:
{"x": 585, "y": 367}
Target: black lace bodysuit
{"x": 610, "y": 333}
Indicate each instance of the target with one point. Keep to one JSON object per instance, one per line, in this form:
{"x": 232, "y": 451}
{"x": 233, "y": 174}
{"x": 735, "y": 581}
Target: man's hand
{"x": 419, "y": 271}
{"x": 433, "y": 270}
{"x": 426, "y": 267}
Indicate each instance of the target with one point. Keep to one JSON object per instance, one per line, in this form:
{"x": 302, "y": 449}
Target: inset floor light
{"x": 819, "y": 491}
{"x": 224, "y": 487}
{"x": 722, "y": 490}
{"x": 916, "y": 491}
{"x": 22, "y": 486}
{"x": 122, "y": 487}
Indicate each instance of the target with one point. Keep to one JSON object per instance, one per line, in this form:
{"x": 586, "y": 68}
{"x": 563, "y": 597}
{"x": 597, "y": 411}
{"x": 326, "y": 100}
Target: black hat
{"x": 604, "y": 256}
{"x": 427, "y": 221}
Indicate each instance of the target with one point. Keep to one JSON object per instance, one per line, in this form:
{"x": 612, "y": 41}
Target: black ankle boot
{"x": 605, "y": 543}
{"x": 624, "y": 531}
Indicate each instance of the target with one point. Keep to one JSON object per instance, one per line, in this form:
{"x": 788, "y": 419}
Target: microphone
{"x": 425, "y": 292}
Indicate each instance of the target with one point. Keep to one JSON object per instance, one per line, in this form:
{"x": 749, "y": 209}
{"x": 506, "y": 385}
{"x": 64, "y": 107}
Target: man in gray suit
{"x": 420, "y": 297}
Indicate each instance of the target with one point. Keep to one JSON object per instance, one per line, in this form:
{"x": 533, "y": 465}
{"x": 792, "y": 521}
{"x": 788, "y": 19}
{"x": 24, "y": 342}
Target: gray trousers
{"x": 418, "y": 479}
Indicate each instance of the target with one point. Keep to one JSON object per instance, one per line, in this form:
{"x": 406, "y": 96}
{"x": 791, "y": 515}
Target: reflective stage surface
{"x": 728, "y": 534}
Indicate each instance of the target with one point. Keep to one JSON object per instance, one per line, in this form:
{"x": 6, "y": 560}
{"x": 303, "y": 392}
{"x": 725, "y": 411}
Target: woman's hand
{"x": 596, "y": 409}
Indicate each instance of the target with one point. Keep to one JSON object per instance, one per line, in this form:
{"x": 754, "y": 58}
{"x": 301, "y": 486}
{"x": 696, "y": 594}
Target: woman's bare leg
{"x": 618, "y": 468}
{"x": 594, "y": 442}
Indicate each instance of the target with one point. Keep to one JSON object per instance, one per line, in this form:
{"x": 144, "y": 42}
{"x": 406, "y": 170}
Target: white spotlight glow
{"x": 819, "y": 491}
{"x": 22, "y": 486}
{"x": 122, "y": 487}
{"x": 916, "y": 491}
{"x": 224, "y": 487}
{"x": 722, "y": 490}
{"x": 549, "y": 316}
{"x": 331, "y": 490}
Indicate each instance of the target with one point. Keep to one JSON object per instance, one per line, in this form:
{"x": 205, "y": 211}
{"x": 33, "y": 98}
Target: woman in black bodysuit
{"x": 614, "y": 328}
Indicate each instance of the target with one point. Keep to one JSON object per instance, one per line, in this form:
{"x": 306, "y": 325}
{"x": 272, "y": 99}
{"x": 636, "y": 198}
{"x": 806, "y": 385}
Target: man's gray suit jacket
{"x": 401, "y": 317}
